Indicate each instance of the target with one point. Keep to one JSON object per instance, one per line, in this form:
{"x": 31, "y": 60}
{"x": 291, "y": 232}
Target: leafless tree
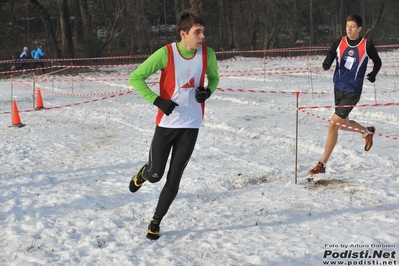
{"x": 48, "y": 24}
{"x": 67, "y": 49}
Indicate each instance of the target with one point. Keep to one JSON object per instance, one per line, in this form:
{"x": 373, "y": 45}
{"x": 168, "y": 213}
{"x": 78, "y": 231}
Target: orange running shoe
{"x": 318, "y": 169}
{"x": 369, "y": 138}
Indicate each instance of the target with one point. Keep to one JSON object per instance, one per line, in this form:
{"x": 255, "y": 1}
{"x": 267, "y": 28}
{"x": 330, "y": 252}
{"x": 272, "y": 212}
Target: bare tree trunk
{"x": 311, "y": 24}
{"x": 78, "y": 25}
{"x": 221, "y": 17}
{"x": 66, "y": 33}
{"x": 376, "y": 19}
{"x": 341, "y": 20}
{"x": 231, "y": 29}
{"x": 86, "y": 22}
{"x": 337, "y": 21}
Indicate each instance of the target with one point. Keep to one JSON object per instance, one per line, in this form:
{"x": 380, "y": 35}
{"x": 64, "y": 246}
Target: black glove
{"x": 326, "y": 66}
{"x": 166, "y": 106}
{"x": 328, "y": 61}
{"x": 371, "y": 77}
{"x": 201, "y": 94}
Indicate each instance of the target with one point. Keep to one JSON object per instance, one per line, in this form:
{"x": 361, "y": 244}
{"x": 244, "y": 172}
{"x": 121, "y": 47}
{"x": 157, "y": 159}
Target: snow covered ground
{"x": 64, "y": 176}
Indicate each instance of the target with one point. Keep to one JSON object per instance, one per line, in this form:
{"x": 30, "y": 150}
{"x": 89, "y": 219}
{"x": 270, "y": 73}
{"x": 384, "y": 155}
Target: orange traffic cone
{"x": 39, "y": 101}
{"x": 16, "y": 121}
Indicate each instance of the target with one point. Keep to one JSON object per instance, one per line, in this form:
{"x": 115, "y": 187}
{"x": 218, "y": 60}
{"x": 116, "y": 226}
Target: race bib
{"x": 349, "y": 62}
{"x": 183, "y": 98}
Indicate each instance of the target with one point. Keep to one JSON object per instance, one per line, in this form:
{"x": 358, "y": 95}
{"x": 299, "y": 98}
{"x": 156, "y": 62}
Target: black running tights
{"x": 181, "y": 141}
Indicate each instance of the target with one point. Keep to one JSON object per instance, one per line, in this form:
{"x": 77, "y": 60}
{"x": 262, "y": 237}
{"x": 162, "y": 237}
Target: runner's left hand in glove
{"x": 201, "y": 94}
{"x": 371, "y": 77}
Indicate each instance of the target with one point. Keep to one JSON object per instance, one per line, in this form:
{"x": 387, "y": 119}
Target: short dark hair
{"x": 356, "y": 18}
{"x": 186, "y": 20}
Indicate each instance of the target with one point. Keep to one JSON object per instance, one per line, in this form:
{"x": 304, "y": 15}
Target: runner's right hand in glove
{"x": 166, "y": 106}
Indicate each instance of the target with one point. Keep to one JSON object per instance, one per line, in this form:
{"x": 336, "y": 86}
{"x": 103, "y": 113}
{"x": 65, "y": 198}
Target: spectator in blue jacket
{"x": 36, "y": 55}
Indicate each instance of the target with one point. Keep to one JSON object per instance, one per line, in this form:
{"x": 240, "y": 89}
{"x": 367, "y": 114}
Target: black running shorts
{"x": 345, "y": 101}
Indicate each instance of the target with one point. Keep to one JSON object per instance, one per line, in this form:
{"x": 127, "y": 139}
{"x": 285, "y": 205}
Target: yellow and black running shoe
{"x": 138, "y": 180}
{"x": 153, "y": 230}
